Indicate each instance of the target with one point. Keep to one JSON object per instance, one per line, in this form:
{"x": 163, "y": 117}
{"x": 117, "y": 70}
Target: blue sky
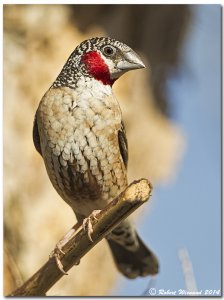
{"x": 187, "y": 212}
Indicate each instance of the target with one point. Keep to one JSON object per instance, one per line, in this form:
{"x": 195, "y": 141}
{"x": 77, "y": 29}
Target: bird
{"x": 79, "y": 132}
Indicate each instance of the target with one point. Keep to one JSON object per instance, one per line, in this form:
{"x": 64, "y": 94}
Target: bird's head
{"x": 104, "y": 59}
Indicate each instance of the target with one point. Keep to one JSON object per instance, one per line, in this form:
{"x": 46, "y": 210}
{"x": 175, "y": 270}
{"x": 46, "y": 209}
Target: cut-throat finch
{"x": 79, "y": 133}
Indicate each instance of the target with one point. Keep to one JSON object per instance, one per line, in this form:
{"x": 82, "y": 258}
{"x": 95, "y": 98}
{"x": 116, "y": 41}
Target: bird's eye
{"x": 108, "y": 50}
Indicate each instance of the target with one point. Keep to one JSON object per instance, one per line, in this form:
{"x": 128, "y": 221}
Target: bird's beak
{"x": 130, "y": 61}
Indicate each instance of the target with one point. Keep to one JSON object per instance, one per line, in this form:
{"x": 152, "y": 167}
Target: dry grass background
{"x": 37, "y": 41}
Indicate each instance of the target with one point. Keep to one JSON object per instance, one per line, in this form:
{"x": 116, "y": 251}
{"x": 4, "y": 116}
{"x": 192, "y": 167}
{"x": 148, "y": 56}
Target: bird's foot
{"x": 87, "y": 223}
{"x": 58, "y": 252}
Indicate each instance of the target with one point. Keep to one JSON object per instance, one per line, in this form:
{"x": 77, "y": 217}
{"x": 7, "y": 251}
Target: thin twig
{"x": 187, "y": 269}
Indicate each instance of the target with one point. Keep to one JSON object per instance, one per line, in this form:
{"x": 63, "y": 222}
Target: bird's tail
{"x": 132, "y": 257}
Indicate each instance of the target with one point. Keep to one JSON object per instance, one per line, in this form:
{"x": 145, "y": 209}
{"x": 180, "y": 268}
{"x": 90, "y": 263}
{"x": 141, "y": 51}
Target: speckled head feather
{"x": 77, "y": 64}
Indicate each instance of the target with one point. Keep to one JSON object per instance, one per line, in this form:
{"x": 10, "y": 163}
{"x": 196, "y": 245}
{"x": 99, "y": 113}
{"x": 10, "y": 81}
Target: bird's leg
{"x": 58, "y": 248}
{"x": 87, "y": 225}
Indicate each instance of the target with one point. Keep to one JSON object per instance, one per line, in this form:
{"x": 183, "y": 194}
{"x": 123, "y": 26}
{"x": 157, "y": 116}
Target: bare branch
{"x": 77, "y": 243}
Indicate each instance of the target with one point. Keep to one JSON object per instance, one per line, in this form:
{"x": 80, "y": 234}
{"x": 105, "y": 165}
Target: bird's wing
{"x": 36, "y": 137}
{"x": 123, "y": 144}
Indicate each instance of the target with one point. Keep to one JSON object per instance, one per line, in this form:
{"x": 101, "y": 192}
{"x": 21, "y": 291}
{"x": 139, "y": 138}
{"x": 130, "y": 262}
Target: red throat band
{"x": 97, "y": 67}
